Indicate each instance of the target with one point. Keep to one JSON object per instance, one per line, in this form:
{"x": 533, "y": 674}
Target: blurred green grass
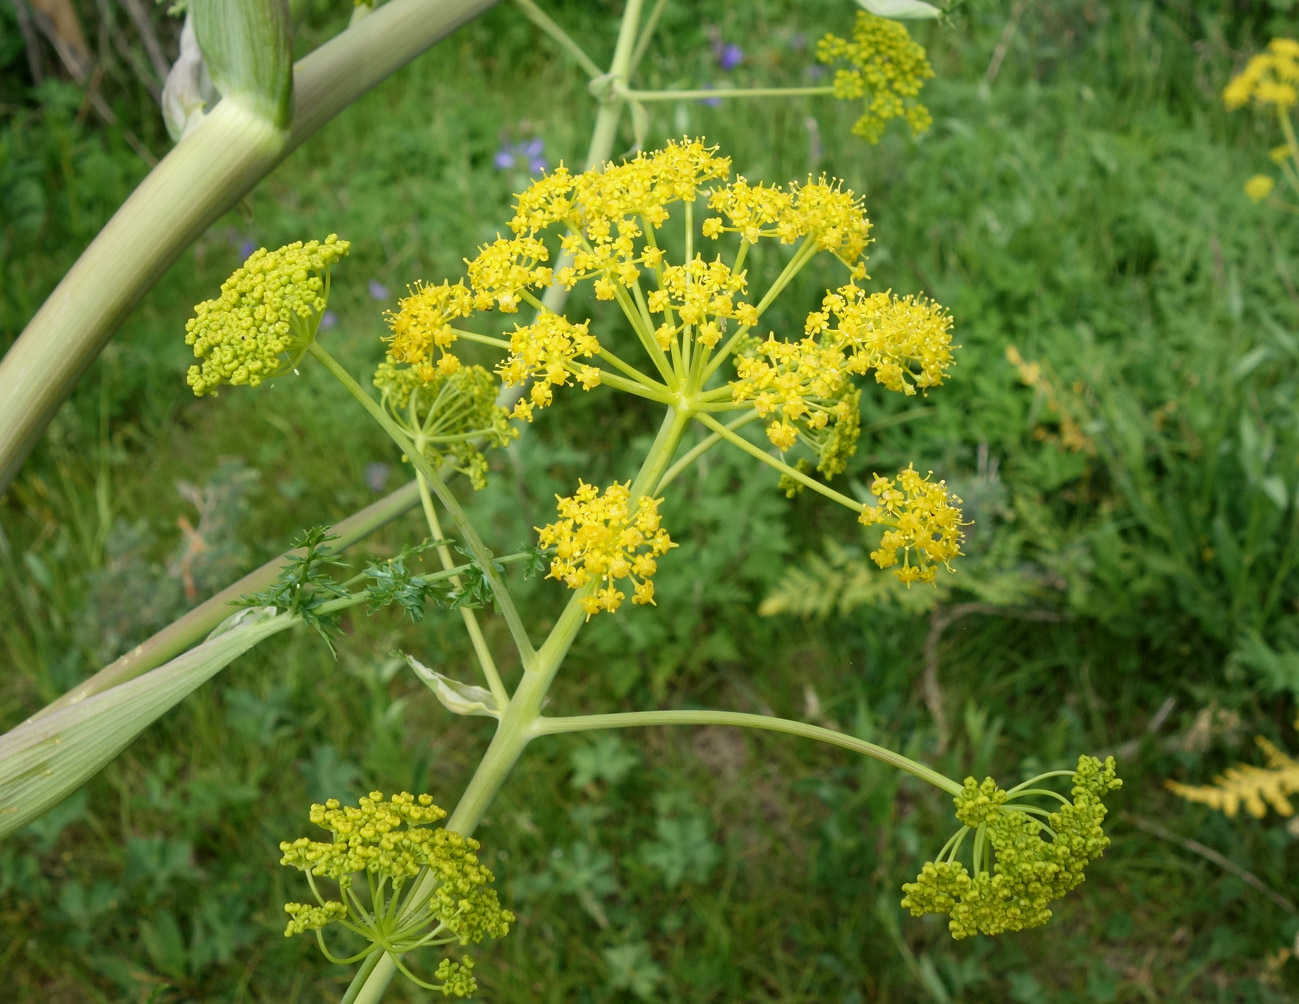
{"x": 1078, "y": 198}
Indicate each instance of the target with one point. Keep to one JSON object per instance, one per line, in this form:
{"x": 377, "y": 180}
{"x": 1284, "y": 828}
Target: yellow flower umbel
{"x": 265, "y": 318}
{"x": 1269, "y": 78}
{"x": 689, "y": 314}
{"x": 1024, "y": 858}
{"x": 599, "y": 539}
{"x": 906, "y": 340}
{"x": 924, "y": 525}
{"x": 883, "y": 67}
{"x": 422, "y": 331}
{"x": 545, "y": 352}
{"x": 389, "y": 842}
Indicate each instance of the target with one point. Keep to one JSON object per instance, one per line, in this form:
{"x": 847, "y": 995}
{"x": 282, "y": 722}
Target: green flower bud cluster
{"x": 882, "y": 66}
{"x": 1032, "y": 862}
{"x": 388, "y": 842}
{"x": 450, "y": 415}
{"x": 457, "y": 978}
{"x": 836, "y": 442}
{"x": 265, "y": 318}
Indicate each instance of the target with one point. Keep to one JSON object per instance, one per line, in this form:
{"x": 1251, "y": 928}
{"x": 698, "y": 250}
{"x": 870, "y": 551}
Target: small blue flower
{"x": 376, "y": 476}
{"x": 528, "y": 153}
{"x": 246, "y": 248}
{"x": 378, "y": 291}
{"x": 729, "y": 56}
{"x": 328, "y": 320}
{"x": 710, "y": 102}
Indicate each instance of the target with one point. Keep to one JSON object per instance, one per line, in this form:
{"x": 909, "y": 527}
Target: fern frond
{"x": 836, "y": 582}
{"x": 1253, "y": 787}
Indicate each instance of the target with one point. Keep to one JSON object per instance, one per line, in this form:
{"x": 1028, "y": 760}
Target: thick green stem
{"x": 206, "y": 174}
{"x": 551, "y": 726}
{"x": 504, "y": 750}
{"x": 699, "y": 449}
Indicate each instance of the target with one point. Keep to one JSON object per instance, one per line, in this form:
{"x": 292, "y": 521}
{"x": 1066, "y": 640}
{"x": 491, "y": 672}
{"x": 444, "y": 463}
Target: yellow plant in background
{"x": 1271, "y": 80}
{"x": 1254, "y": 788}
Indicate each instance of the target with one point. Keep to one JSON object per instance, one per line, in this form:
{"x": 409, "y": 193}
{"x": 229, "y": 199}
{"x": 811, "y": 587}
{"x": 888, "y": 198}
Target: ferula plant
{"x": 663, "y": 240}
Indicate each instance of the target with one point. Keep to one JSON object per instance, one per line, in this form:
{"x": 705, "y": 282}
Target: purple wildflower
{"x": 328, "y": 320}
{"x": 729, "y": 56}
{"x": 376, "y": 476}
{"x": 528, "y": 153}
{"x": 246, "y": 248}
{"x": 378, "y": 291}
{"x": 710, "y": 102}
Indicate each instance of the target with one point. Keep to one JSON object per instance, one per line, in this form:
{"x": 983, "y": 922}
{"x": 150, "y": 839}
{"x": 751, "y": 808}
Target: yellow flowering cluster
{"x": 698, "y": 298}
{"x": 504, "y": 269}
{"x": 599, "y": 539}
{"x": 545, "y": 352}
{"x": 422, "y": 328}
{"x": 1269, "y": 78}
{"x": 607, "y": 219}
{"x": 800, "y": 385}
{"x": 924, "y": 524}
{"x": 804, "y": 385}
{"x": 391, "y": 841}
{"x": 450, "y": 415}
{"x": 882, "y": 65}
{"x": 264, "y": 319}
{"x": 906, "y": 340}
{"x": 1030, "y": 871}
{"x": 599, "y": 209}
{"x": 648, "y": 183}
{"x": 832, "y": 215}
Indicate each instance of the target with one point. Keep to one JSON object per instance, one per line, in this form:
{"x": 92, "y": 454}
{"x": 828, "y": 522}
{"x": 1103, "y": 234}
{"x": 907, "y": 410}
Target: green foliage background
{"x": 1078, "y": 198}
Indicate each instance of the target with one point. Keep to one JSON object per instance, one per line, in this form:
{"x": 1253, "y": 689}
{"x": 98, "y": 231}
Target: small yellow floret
{"x": 599, "y": 538}
{"x": 906, "y": 340}
{"x": 545, "y": 352}
{"x": 422, "y": 332}
{"x": 924, "y": 524}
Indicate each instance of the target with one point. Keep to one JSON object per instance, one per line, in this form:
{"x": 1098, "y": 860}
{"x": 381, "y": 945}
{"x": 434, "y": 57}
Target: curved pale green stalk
{"x": 206, "y": 174}
{"x": 192, "y": 628}
{"x": 636, "y": 719}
